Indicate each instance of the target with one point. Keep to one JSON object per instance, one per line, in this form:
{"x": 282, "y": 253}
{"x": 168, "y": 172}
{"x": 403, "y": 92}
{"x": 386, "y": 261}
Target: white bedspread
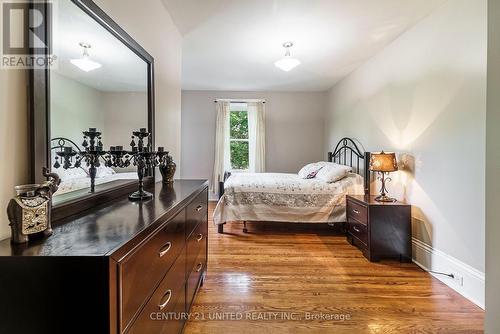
{"x": 84, "y": 182}
{"x": 284, "y": 197}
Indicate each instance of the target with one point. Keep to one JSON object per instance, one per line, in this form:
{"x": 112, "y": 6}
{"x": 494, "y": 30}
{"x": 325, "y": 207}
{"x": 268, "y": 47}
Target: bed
{"x": 281, "y": 197}
{"x": 73, "y": 184}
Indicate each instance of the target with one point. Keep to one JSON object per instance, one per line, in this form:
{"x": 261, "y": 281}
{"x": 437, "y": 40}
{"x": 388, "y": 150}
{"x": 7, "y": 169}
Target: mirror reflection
{"x": 99, "y": 85}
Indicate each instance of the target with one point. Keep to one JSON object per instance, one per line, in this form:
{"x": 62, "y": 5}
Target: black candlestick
{"x": 92, "y": 153}
{"x": 142, "y": 160}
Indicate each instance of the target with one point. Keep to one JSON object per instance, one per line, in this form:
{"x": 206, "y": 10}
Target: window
{"x": 239, "y": 139}
{"x": 238, "y": 136}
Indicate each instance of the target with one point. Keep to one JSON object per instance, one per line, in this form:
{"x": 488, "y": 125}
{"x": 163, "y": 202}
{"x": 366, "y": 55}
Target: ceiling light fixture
{"x": 84, "y": 63}
{"x": 287, "y": 63}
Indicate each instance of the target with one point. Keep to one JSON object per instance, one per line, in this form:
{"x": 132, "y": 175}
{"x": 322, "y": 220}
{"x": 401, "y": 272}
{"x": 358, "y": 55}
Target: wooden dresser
{"x": 379, "y": 229}
{"x": 122, "y": 267}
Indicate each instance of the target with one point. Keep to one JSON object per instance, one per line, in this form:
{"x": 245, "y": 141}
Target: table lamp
{"x": 384, "y": 163}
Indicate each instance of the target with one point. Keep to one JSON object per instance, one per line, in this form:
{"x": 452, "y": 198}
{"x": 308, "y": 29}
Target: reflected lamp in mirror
{"x": 384, "y": 163}
{"x": 84, "y": 63}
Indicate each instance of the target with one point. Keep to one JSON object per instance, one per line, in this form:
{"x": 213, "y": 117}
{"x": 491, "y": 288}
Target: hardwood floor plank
{"x": 278, "y": 270}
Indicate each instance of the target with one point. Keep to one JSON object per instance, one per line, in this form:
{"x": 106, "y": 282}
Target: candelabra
{"x": 90, "y": 156}
{"x": 141, "y": 156}
{"x": 92, "y": 153}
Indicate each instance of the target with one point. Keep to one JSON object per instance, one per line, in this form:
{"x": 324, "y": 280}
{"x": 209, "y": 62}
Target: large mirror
{"x": 100, "y": 84}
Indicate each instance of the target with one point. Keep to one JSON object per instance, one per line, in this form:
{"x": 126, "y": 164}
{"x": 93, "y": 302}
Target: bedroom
{"x": 421, "y": 94}
{"x": 293, "y": 245}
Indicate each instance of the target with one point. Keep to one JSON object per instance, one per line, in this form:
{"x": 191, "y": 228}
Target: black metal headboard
{"x": 347, "y": 153}
{"x": 61, "y": 142}
{"x": 58, "y": 144}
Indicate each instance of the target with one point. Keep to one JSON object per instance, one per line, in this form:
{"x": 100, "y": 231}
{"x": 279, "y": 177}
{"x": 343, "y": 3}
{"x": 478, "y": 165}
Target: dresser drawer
{"x": 357, "y": 211}
{"x": 141, "y": 271}
{"x": 165, "y": 310}
{"x": 199, "y": 266}
{"x": 196, "y": 211}
{"x": 358, "y": 230}
{"x": 196, "y": 243}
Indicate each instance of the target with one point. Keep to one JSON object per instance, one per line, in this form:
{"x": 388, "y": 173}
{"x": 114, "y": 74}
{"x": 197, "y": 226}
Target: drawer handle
{"x": 199, "y": 207}
{"x": 164, "y": 250}
{"x": 168, "y": 296}
{"x": 199, "y": 237}
{"x": 355, "y": 211}
{"x": 356, "y": 229}
{"x": 199, "y": 267}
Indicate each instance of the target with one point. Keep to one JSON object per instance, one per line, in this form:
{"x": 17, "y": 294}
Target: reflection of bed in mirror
{"x": 75, "y": 187}
{"x": 78, "y": 178}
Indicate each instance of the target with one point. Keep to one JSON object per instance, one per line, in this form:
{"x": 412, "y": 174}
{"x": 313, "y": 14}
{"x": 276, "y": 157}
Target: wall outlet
{"x": 459, "y": 279}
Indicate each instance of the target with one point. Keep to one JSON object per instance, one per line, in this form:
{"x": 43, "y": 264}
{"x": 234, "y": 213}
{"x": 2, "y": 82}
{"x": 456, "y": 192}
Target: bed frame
{"x": 346, "y": 153}
{"x": 58, "y": 144}
{"x": 61, "y": 142}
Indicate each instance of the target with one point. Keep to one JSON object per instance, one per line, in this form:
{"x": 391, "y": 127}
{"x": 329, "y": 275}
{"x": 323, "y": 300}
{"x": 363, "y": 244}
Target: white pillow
{"x": 310, "y": 171}
{"x": 103, "y": 171}
{"x": 70, "y": 173}
{"x": 332, "y": 172}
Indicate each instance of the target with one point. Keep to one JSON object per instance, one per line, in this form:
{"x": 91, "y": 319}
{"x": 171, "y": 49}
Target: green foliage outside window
{"x": 238, "y": 125}
{"x": 238, "y": 129}
{"x": 239, "y": 154}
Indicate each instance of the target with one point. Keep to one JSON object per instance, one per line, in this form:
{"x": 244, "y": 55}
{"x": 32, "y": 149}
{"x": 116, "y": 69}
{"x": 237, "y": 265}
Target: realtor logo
{"x": 25, "y": 43}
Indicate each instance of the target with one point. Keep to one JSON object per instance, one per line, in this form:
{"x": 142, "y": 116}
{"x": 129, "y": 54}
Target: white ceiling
{"x": 122, "y": 70}
{"x": 233, "y": 44}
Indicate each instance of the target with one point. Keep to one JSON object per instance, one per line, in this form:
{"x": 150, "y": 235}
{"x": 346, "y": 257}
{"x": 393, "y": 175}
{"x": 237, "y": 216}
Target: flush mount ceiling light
{"x": 287, "y": 63}
{"x": 84, "y": 63}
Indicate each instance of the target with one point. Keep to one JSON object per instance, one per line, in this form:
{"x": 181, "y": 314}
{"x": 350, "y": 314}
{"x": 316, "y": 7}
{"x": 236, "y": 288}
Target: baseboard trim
{"x": 470, "y": 282}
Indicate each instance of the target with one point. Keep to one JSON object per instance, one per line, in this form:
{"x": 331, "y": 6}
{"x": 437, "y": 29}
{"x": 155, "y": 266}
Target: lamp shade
{"x": 383, "y": 162}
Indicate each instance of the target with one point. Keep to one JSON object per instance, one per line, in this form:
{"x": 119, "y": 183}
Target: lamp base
{"x": 140, "y": 195}
{"x": 384, "y": 198}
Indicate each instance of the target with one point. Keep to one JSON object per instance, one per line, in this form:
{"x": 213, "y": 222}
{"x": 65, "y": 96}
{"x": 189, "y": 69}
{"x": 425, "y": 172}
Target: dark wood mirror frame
{"x": 39, "y": 106}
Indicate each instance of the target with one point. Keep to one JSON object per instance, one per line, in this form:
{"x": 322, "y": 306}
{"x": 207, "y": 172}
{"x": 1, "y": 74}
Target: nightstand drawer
{"x": 381, "y": 230}
{"x": 357, "y": 212}
{"x": 358, "y": 230}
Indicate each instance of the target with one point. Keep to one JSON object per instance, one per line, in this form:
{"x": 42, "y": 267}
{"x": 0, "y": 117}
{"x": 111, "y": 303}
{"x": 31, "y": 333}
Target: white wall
{"x": 294, "y": 129}
{"x": 14, "y": 151}
{"x": 492, "y": 324}
{"x": 425, "y": 94}
{"x": 74, "y": 107}
{"x": 150, "y": 24}
{"x": 123, "y": 112}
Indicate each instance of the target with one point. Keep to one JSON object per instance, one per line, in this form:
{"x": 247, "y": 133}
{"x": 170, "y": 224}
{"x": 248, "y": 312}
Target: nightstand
{"x": 379, "y": 229}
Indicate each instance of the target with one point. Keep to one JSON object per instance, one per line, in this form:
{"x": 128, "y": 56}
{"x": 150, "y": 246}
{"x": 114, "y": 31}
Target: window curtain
{"x": 257, "y": 137}
{"x": 222, "y": 153}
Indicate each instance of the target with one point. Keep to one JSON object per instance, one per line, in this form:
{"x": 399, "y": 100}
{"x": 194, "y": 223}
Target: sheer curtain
{"x": 222, "y": 152}
{"x": 257, "y": 137}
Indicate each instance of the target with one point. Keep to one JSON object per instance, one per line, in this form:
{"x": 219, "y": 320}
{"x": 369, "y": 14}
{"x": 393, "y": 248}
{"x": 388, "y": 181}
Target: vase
{"x": 167, "y": 170}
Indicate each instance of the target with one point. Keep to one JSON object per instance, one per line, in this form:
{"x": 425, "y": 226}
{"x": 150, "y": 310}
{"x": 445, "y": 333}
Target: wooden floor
{"x": 256, "y": 281}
